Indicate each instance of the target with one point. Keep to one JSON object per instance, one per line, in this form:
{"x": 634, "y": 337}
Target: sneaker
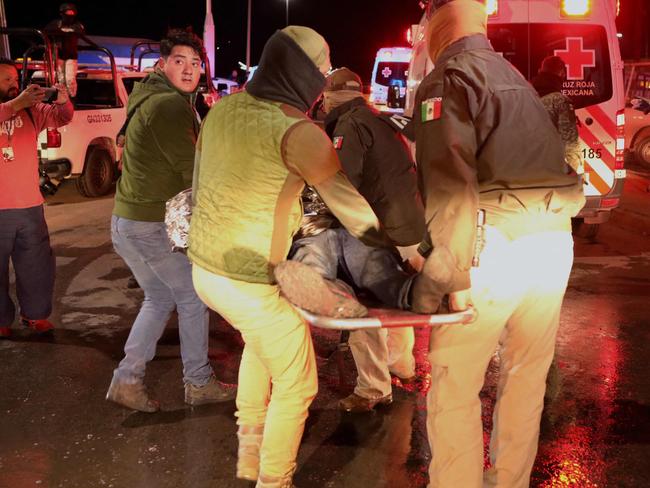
{"x": 355, "y": 403}
{"x": 131, "y": 395}
{"x": 303, "y": 286}
{"x": 41, "y": 325}
{"x": 213, "y": 391}
{"x": 5, "y": 332}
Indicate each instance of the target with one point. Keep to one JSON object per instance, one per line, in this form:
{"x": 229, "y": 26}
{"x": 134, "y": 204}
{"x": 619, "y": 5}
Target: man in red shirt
{"x": 23, "y": 232}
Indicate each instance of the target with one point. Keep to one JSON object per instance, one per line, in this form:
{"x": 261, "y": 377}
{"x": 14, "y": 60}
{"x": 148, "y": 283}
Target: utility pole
{"x": 4, "y": 39}
{"x": 287, "y": 12}
{"x": 248, "y": 39}
{"x": 208, "y": 35}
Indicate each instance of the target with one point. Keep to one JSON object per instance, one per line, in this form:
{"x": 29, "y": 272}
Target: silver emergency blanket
{"x": 178, "y": 213}
{"x": 316, "y": 217}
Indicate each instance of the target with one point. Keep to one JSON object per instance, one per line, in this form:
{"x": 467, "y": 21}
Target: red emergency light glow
{"x": 53, "y": 137}
{"x": 619, "y": 159}
{"x": 575, "y": 8}
{"x": 609, "y": 202}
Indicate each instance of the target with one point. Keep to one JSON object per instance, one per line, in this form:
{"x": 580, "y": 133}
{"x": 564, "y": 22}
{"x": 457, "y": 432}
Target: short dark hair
{"x": 8, "y": 62}
{"x": 178, "y": 37}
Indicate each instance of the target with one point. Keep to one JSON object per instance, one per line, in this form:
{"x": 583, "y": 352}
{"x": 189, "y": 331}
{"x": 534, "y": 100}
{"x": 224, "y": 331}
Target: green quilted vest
{"x": 245, "y": 192}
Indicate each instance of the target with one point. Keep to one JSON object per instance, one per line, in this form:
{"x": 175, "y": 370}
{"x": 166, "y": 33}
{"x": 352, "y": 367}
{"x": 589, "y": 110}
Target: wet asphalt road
{"x": 56, "y": 429}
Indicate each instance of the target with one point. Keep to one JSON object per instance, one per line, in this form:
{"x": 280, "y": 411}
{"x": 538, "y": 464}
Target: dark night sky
{"x": 355, "y": 29}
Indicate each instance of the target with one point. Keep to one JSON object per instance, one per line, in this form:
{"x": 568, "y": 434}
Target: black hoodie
{"x": 286, "y": 74}
{"x": 545, "y": 83}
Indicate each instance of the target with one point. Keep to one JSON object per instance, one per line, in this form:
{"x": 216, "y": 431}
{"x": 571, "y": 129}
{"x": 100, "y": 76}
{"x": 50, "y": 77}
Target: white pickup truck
{"x": 85, "y": 148}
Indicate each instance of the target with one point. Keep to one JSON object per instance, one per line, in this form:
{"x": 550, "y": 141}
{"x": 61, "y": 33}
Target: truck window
{"x": 583, "y": 47}
{"x": 641, "y": 85}
{"x": 129, "y": 83}
{"x": 93, "y": 93}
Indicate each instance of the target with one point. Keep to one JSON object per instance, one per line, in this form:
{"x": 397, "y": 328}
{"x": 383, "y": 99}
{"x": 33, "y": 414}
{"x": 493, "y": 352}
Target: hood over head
{"x": 289, "y": 68}
{"x": 545, "y": 83}
{"x": 154, "y": 84}
{"x": 453, "y": 20}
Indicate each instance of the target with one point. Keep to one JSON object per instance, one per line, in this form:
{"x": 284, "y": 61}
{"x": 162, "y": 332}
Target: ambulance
{"x": 583, "y": 34}
{"x": 389, "y": 73}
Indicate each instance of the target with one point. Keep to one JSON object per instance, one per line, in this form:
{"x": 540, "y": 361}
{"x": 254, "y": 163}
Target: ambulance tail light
{"x": 492, "y": 7}
{"x": 575, "y": 8}
{"x": 53, "y": 137}
{"x": 609, "y": 202}
{"x": 620, "y": 140}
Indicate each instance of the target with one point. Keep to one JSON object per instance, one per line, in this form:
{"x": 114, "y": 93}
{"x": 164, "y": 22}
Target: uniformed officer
{"x": 484, "y": 141}
{"x": 377, "y": 162}
{"x": 548, "y": 84}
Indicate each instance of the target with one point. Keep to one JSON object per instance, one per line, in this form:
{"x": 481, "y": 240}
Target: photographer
{"x": 23, "y": 232}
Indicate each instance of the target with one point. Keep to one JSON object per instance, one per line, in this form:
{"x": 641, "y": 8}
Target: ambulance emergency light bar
{"x": 568, "y": 8}
{"x": 575, "y": 8}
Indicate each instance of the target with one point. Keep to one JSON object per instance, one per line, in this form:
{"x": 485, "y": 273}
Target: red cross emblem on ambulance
{"x": 386, "y": 72}
{"x": 576, "y": 58}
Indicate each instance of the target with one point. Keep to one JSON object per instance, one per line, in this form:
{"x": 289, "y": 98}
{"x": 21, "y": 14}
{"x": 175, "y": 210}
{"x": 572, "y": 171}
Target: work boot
{"x": 248, "y": 454}
{"x": 5, "y": 332}
{"x": 213, "y": 391}
{"x": 266, "y": 481}
{"x": 306, "y": 288}
{"x": 41, "y": 325}
{"x": 131, "y": 395}
{"x": 356, "y": 404}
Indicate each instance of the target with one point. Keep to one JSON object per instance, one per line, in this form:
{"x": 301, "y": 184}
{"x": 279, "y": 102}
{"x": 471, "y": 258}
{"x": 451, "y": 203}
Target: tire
{"x": 98, "y": 174}
{"x": 642, "y": 152}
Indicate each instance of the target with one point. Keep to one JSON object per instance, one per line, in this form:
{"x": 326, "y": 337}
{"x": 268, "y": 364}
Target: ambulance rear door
{"x": 589, "y": 47}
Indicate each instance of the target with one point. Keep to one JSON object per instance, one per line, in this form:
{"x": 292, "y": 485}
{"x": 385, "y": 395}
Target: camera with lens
{"x": 48, "y": 187}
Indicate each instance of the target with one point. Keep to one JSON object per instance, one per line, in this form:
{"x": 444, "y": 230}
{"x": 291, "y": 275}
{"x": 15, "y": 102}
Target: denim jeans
{"x": 377, "y": 353}
{"x": 25, "y": 240}
{"x": 166, "y": 279}
{"x": 376, "y": 270}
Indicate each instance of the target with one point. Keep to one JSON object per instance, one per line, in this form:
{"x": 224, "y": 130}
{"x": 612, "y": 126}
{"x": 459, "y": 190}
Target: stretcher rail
{"x": 385, "y": 319}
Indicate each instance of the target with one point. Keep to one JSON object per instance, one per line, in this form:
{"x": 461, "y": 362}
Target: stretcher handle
{"x": 405, "y": 319}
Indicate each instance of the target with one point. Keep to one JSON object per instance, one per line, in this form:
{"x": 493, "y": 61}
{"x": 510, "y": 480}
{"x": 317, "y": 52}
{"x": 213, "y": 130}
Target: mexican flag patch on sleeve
{"x": 431, "y": 109}
{"x": 338, "y": 142}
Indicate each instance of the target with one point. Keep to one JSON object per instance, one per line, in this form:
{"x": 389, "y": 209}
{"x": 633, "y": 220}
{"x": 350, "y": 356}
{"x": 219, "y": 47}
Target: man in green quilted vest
{"x": 256, "y": 150}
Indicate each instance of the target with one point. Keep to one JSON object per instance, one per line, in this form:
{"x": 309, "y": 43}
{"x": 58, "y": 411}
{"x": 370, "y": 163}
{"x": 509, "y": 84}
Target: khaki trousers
{"x": 517, "y": 291}
{"x": 377, "y": 353}
{"x": 277, "y": 374}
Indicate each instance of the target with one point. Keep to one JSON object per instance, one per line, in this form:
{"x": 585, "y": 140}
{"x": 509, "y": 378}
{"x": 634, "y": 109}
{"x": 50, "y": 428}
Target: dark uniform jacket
{"x": 378, "y": 164}
{"x": 484, "y": 140}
